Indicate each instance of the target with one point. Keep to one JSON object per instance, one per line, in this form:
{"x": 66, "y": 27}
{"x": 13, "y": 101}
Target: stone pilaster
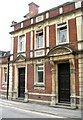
{"x": 26, "y": 83}
{"x": 72, "y": 83}
{"x": 81, "y": 80}
{"x": 10, "y": 81}
{"x": 15, "y": 83}
{"x": 53, "y": 96}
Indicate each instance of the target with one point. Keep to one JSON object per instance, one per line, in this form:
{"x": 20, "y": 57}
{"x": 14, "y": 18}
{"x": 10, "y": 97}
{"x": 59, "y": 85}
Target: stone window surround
{"x": 36, "y": 84}
{"x": 3, "y": 78}
{"x": 19, "y": 43}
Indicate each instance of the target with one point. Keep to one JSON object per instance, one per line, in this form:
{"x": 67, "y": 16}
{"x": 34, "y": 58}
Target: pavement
{"x": 65, "y": 113}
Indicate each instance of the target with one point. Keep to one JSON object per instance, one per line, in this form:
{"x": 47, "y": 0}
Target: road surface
{"x": 18, "y": 110}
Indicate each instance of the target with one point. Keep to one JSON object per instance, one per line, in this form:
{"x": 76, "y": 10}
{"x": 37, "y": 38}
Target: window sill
{"x": 62, "y": 43}
{"x": 39, "y": 86}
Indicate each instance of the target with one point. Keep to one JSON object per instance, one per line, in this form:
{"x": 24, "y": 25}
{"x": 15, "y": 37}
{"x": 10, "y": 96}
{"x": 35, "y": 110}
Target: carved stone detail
{"x": 20, "y": 58}
{"x": 60, "y": 51}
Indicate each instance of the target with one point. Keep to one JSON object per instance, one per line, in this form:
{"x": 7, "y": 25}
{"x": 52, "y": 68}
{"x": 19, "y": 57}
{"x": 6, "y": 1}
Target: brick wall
{"x": 4, "y": 59}
{"x": 18, "y": 26}
{"x": 34, "y": 20}
{"x": 52, "y": 35}
{"x": 30, "y": 70}
{"x": 82, "y": 4}
{"x": 48, "y": 78}
{"x": 53, "y": 13}
{"x": 68, "y": 8}
{"x": 73, "y": 34}
{"x": 26, "y": 23}
{"x": 39, "y": 97}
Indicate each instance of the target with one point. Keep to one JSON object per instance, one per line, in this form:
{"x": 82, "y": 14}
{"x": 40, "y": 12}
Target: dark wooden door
{"x": 64, "y": 82}
{"x": 21, "y": 82}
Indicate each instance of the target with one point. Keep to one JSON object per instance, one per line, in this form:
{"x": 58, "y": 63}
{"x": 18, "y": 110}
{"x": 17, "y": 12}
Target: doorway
{"x": 64, "y": 83}
{"x": 21, "y": 82}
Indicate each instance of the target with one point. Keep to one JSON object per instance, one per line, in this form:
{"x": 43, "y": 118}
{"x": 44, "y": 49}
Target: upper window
{"x": 22, "y": 43}
{"x": 62, "y": 33}
{"x": 39, "y": 39}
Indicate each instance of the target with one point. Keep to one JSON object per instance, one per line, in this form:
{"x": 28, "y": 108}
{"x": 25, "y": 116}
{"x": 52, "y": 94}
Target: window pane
{"x": 22, "y": 41}
{"x": 40, "y": 76}
{"x": 39, "y": 41}
{"x": 40, "y": 68}
{"x": 62, "y": 36}
{"x": 5, "y": 74}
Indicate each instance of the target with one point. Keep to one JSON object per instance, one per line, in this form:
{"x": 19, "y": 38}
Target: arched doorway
{"x": 63, "y": 75}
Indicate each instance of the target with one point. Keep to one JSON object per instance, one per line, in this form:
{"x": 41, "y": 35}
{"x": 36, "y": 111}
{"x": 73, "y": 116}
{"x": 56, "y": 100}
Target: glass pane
{"x": 62, "y": 36}
{"x": 40, "y": 76}
{"x": 22, "y": 39}
{"x": 20, "y": 46}
{"x": 40, "y": 41}
{"x": 40, "y": 67}
{"x": 5, "y": 77}
{"x": 5, "y": 74}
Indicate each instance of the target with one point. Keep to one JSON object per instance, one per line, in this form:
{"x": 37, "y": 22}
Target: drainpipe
{"x": 8, "y": 76}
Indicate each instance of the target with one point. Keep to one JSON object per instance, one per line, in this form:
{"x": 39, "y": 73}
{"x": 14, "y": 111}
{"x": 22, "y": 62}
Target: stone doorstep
{"x": 20, "y": 99}
{"x": 65, "y": 106}
{"x": 58, "y": 105}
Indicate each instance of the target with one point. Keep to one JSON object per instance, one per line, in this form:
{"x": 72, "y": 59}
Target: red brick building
{"x": 3, "y": 72}
{"x": 46, "y": 47}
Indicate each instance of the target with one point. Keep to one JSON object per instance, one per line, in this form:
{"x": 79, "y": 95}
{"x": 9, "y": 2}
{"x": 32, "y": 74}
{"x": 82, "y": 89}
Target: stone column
{"x": 72, "y": 83}
{"x": 10, "y": 82}
{"x": 15, "y": 84}
{"x": 53, "y": 96}
{"x": 26, "y": 89}
{"x": 81, "y": 81}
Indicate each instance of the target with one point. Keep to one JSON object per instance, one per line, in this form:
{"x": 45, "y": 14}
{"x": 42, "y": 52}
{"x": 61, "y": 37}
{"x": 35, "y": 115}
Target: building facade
{"x": 3, "y": 72}
{"x": 46, "y": 56}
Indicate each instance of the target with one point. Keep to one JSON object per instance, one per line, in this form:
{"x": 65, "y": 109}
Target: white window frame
{"x": 22, "y": 41}
{"x": 58, "y": 27}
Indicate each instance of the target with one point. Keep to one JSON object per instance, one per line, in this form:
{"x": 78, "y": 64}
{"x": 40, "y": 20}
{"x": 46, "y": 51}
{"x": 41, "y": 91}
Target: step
{"x": 65, "y": 106}
{"x": 20, "y": 100}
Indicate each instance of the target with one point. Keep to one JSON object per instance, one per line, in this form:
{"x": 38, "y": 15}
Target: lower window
{"x": 5, "y": 74}
{"x": 40, "y": 74}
